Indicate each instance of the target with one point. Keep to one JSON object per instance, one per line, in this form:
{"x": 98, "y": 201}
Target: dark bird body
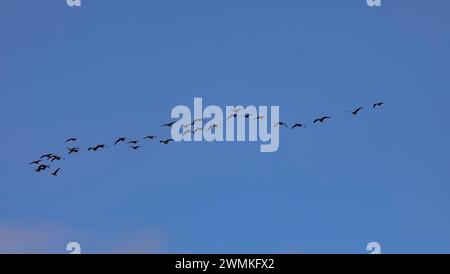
{"x": 213, "y": 126}
{"x": 378, "y": 104}
{"x": 196, "y": 120}
{"x": 166, "y": 141}
{"x": 121, "y": 139}
{"x": 281, "y": 124}
{"x": 37, "y": 162}
{"x": 55, "y": 173}
{"x": 96, "y": 147}
{"x": 232, "y": 116}
{"x": 135, "y": 147}
{"x": 48, "y": 156}
{"x": 169, "y": 124}
{"x": 42, "y": 167}
{"x": 356, "y": 111}
{"x": 297, "y": 125}
{"x": 73, "y": 150}
{"x": 55, "y": 158}
{"x": 321, "y": 119}
{"x": 71, "y": 140}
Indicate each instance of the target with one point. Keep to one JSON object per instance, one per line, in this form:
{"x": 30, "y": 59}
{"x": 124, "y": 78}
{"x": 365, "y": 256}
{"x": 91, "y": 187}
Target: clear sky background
{"x": 113, "y": 68}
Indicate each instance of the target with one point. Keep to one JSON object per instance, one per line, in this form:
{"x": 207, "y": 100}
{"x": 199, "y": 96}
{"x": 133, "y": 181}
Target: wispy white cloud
{"x": 51, "y": 238}
{"x": 37, "y": 238}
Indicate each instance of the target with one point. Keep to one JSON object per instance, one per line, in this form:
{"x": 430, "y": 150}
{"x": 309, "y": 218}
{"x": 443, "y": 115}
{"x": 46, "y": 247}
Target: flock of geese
{"x": 44, "y": 161}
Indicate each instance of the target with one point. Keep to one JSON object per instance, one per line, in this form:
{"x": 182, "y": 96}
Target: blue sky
{"x": 116, "y": 69}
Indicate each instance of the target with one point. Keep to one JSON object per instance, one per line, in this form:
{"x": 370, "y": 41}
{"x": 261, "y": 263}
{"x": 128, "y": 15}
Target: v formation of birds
{"x": 45, "y": 161}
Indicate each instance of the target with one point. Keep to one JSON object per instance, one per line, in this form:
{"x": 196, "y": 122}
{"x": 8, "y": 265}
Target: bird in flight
{"x": 134, "y": 142}
{"x": 169, "y": 124}
{"x": 356, "y": 111}
{"x": 73, "y": 150}
{"x": 197, "y": 129}
{"x": 120, "y": 139}
{"x": 41, "y": 167}
{"x": 48, "y": 156}
{"x": 247, "y": 115}
{"x": 321, "y": 119}
{"x": 232, "y": 116}
{"x": 281, "y": 124}
{"x": 55, "y": 173}
{"x": 37, "y": 162}
{"x": 196, "y": 120}
{"x": 55, "y": 158}
{"x": 297, "y": 125}
{"x": 378, "y": 104}
{"x": 135, "y": 147}
{"x": 236, "y": 110}
{"x": 213, "y": 126}
{"x": 150, "y": 137}
{"x": 73, "y": 139}
{"x": 187, "y": 132}
{"x": 96, "y": 147}
{"x": 166, "y": 141}
{"x": 260, "y": 117}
